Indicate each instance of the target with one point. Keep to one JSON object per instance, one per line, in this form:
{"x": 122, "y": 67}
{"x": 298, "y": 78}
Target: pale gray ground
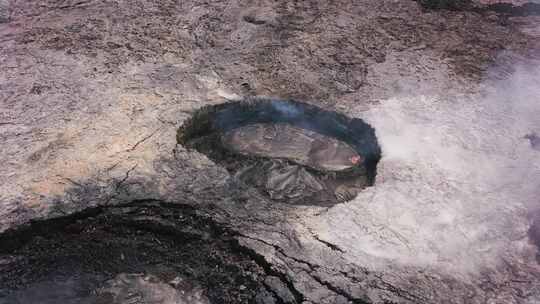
{"x": 91, "y": 94}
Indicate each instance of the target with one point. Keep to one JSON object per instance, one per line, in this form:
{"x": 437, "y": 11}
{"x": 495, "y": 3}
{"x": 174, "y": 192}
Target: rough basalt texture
{"x": 92, "y": 93}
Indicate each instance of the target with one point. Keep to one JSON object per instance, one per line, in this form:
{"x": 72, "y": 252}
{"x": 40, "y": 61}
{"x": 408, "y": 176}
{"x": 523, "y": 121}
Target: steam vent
{"x": 292, "y": 152}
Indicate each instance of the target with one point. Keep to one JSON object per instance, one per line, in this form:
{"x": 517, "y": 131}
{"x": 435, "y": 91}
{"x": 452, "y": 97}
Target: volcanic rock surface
{"x": 92, "y": 94}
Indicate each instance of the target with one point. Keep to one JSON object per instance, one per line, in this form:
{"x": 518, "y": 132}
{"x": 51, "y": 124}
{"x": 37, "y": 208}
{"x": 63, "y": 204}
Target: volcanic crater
{"x": 141, "y": 252}
{"x": 292, "y": 152}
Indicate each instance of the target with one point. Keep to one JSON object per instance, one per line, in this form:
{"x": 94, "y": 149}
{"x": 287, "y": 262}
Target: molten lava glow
{"x": 355, "y": 159}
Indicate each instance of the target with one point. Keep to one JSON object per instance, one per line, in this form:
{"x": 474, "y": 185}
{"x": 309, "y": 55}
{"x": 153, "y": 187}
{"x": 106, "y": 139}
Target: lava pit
{"x": 292, "y": 152}
{"x": 144, "y": 252}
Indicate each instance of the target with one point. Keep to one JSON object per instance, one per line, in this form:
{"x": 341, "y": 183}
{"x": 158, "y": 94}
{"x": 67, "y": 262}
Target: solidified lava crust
{"x": 136, "y": 252}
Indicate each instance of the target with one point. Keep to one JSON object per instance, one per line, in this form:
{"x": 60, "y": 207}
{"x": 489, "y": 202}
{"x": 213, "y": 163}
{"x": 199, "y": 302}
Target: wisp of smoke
{"x": 456, "y": 179}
